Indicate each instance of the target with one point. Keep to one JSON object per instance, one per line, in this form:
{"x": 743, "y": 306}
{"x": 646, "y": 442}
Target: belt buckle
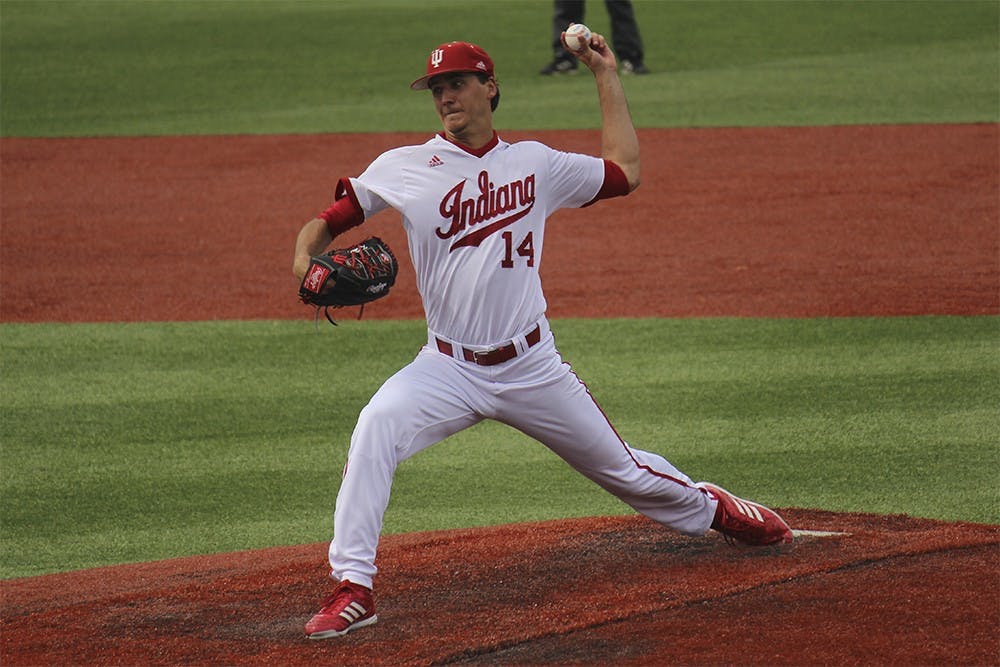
{"x": 477, "y": 354}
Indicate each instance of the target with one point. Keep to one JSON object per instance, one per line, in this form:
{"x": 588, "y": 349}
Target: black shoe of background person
{"x": 634, "y": 67}
{"x": 562, "y": 64}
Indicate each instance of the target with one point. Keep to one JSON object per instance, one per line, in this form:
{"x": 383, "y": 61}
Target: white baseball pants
{"x": 436, "y": 396}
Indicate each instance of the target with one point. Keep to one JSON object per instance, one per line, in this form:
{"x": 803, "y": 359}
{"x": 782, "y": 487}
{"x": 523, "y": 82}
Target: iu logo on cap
{"x": 436, "y": 57}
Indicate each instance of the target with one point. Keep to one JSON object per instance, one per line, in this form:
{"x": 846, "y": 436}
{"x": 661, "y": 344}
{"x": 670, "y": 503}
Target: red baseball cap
{"x": 455, "y": 57}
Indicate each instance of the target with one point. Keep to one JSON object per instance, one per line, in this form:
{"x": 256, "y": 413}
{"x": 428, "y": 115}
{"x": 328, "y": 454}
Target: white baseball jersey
{"x": 476, "y": 226}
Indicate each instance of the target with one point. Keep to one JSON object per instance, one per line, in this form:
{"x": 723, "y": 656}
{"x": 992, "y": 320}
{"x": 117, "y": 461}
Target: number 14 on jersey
{"x": 526, "y": 249}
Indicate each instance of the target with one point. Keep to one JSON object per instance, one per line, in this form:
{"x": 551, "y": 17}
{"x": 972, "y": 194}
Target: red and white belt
{"x": 492, "y": 356}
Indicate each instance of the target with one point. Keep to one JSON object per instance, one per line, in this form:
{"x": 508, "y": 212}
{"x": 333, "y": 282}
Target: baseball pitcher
{"x": 474, "y": 208}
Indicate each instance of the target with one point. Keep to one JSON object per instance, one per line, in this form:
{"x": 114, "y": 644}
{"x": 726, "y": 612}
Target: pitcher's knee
{"x": 378, "y": 432}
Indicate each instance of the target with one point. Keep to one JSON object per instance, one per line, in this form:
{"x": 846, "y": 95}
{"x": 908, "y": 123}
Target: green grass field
{"x": 228, "y": 67}
{"x": 133, "y": 442}
{"x": 139, "y": 441}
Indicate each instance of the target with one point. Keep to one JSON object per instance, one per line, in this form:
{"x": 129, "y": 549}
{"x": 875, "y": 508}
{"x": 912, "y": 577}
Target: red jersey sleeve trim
{"x": 345, "y": 213}
{"x": 345, "y": 189}
{"x": 615, "y": 183}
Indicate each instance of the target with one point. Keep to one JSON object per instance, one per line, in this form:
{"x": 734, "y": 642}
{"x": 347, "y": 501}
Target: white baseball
{"x": 577, "y": 37}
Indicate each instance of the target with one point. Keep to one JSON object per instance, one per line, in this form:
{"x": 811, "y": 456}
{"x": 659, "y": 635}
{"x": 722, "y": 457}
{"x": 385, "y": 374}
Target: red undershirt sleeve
{"x": 345, "y": 213}
{"x": 615, "y": 183}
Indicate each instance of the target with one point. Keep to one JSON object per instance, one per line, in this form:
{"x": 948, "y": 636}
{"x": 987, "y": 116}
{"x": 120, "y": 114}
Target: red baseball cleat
{"x": 349, "y": 607}
{"x": 747, "y": 522}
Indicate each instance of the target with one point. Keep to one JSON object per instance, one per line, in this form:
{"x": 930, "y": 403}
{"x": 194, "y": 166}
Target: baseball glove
{"x": 350, "y": 276}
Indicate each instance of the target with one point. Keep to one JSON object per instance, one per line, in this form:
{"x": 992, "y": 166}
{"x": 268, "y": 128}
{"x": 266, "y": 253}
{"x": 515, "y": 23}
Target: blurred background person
{"x": 625, "y": 38}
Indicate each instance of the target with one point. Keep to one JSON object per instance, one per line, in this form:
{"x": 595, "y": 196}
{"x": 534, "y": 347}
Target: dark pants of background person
{"x": 625, "y": 39}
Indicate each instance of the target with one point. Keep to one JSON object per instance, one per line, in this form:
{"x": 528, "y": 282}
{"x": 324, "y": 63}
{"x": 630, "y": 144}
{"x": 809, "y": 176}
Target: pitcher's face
{"x": 463, "y": 103}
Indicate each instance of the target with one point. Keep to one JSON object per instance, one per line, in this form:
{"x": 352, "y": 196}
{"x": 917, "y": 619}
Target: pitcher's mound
{"x": 615, "y": 590}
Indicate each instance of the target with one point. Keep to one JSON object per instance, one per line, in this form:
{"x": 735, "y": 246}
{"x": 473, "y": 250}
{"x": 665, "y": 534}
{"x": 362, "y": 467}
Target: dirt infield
{"x": 839, "y": 221}
{"x": 746, "y": 222}
{"x": 617, "y": 591}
